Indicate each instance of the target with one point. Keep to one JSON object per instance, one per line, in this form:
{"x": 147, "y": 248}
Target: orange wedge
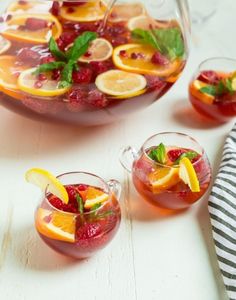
{"x": 121, "y": 84}
{"x": 50, "y": 88}
{"x": 95, "y": 196}
{"x": 195, "y": 87}
{"x": 99, "y": 50}
{"x": 188, "y": 174}
{"x": 15, "y": 32}
{"x": 125, "y": 11}
{"x": 163, "y": 178}
{"x": 88, "y": 12}
{"x": 142, "y": 65}
{"x": 56, "y": 225}
{"x": 29, "y": 7}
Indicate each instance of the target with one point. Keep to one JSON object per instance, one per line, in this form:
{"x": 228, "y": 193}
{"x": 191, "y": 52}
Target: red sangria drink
{"x": 171, "y": 171}
{"x": 83, "y": 224}
{"x": 212, "y": 91}
{"x": 87, "y": 63}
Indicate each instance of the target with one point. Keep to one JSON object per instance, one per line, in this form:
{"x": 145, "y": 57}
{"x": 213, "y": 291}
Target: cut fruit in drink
{"x": 56, "y": 225}
{"x": 4, "y": 45}
{"x": 137, "y": 58}
{"x": 87, "y": 12}
{"x": 21, "y": 28}
{"x": 45, "y": 180}
{"x": 99, "y": 50}
{"x": 29, "y": 7}
{"x": 195, "y": 90}
{"x": 121, "y": 84}
{"x": 188, "y": 174}
{"x": 163, "y": 178}
{"x": 124, "y": 12}
{"x": 146, "y": 22}
{"x": 28, "y": 82}
{"x": 94, "y": 196}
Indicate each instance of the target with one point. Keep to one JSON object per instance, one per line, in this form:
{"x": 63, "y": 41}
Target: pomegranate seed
{"x": 135, "y": 55}
{"x": 174, "y": 154}
{"x": 42, "y": 77}
{"x": 56, "y": 74}
{"x": 47, "y": 59}
{"x": 159, "y": 59}
{"x": 82, "y": 187}
{"x": 209, "y": 77}
{"x": 123, "y": 53}
{"x": 34, "y": 24}
{"x": 84, "y": 75}
{"x": 87, "y": 54}
{"x": 38, "y": 84}
{"x": 55, "y": 9}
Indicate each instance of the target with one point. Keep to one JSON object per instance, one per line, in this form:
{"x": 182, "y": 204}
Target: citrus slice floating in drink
{"x": 5, "y": 45}
{"x": 45, "y": 180}
{"x": 121, "y": 84}
{"x": 146, "y": 22}
{"x": 28, "y": 82}
{"x": 95, "y": 196}
{"x": 137, "y": 58}
{"x": 56, "y": 225}
{"x": 99, "y": 50}
{"x": 188, "y": 174}
{"x": 123, "y": 12}
{"x": 195, "y": 89}
{"x": 34, "y": 29}
{"x": 163, "y": 178}
{"x": 86, "y": 12}
{"x": 29, "y": 7}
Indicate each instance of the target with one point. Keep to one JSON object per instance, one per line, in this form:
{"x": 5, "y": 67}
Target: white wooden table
{"x": 151, "y": 257}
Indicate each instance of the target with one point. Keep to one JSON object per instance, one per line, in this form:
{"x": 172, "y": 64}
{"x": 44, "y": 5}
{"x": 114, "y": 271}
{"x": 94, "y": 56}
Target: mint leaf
{"x": 158, "y": 154}
{"x": 66, "y": 74}
{"x": 80, "y": 46}
{"x": 80, "y": 204}
{"x": 146, "y": 37}
{"x": 56, "y": 52}
{"x": 190, "y": 155}
{"x": 49, "y": 67}
{"x": 228, "y": 84}
{"x": 209, "y": 89}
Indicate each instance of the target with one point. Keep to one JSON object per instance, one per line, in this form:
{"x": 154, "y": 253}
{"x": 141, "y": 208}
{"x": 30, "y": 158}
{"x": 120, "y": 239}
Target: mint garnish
{"x": 190, "y": 155}
{"x": 158, "y": 154}
{"x": 80, "y": 204}
{"x": 224, "y": 86}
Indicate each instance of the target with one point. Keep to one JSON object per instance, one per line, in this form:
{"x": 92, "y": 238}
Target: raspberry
{"x": 159, "y": 59}
{"x": 174, "y": 154}
{"x": 88, "y": 231}
{"x": 76, "y": 100}
{"x": 123, "y": 53}
{"x": 66, "y": 39}
{"x": 99, "y": 67}
{"x": 71, "y": 192}
{"x": 83, "y": 75}
{"x": 34, "y": 24}
{"x": 56, "y": 202}
{"x": 155, "y": 83}
{"x": 97, "y": 99}
{"x": 47, "y": 59}
{"x": 55, "y": 9}
{"x": 28, "y": 56}
{"x": 82, "y": 187}
{"x": 138, "y": 55}
{"x": 209, "y": 77}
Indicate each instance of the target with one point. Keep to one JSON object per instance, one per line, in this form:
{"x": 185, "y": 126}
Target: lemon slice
{"x": 60, "y": 226}
{"x": 4, "y": 45}
{"x": 163, "y": 178}
{"x": 44, "y": 179}
{"x": 124, "y": 11}
{"x": 95, "y": 196}
{"x": 99, "y": 50}
{"x": 188, "y": 174}
{"x": 195, "y": 88}
{"x": 121, "y": 83}
{"x": 27, "y": 80}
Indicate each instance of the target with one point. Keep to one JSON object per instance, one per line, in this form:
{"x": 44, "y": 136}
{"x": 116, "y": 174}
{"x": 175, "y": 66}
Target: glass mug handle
{"x": 115, "y": 187}
{"x": 127, "y": 156}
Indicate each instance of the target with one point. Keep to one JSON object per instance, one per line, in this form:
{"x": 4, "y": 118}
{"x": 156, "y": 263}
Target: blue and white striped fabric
{"x": 222, "y": 208}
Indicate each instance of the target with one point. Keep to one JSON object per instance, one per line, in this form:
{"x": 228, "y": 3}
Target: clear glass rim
{"x": 224, "y": 58}
{"x": 77, "y": 173}
{"x": 143, "y": 148}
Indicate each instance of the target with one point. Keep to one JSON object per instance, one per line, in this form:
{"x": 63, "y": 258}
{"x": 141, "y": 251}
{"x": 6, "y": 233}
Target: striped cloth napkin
{"x": 222, "y": 208}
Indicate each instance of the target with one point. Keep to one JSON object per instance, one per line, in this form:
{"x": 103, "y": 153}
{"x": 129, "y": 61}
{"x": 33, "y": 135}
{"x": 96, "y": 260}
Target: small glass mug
{"x": 176, "y": 196}
{"x": 80, "y": 235}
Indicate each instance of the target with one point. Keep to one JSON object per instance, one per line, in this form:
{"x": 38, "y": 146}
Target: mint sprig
{"x": 80, "y": 204}
{"x": 168, "y": 41}
{"x": 158, "y": 154}
{"x": 190, "y": 155}
{"x": 67, "y": 61}
{"x": 224, "y": 86}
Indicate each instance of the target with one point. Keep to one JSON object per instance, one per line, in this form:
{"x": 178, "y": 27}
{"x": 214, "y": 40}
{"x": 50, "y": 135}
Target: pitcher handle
{"x": 127, "y": 156}
{"x": 115, "y": 187}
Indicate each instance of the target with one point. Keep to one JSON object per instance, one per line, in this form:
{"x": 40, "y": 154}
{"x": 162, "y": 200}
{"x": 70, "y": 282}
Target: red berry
{"x": 34, "y": 24}
{"x": 42, "y": 77}
{"x": 99, "y": 67}
{"x": 70, "y": 10}
{"x": 88, "y": 231}
{"x": 55, "y": 9}
{"x": 56, "y": 74}
{"x": 97, "y": 99}
{"x": 38, "y": 84}
{"x": 83, "y": 75}
{"x": 76, "y": 99}
{"x": 210, "y": 77}
{"x": 123, "y": 53}
{"x": 138, "y": 55}
{"x": 82, "y": 187}
{"x": 174, "y": 154}
{"x": 28, "y": 56}
{"x": 87, "y": 54}
{"x": 159, "y": 59}
{"x": 56, "y": 202}
{"x": 47, "y": 59}
{"x": 155, "y": 82}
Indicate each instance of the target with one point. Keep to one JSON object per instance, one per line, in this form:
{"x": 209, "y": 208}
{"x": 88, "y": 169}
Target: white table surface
{"x": 152, "y": 257}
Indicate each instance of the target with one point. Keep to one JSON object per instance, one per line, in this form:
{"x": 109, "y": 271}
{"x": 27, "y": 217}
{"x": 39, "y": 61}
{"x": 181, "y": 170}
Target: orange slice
{"x": 195, "y": 87}
{"x": 188, "y": 174}
{"x": 99, "y": 50}
{"x": 29, "y": 7}
{"x": 124, "y": 12}
{"x": 95, "y": 196}
{"x": 88, "y": 12}
{"x": 120, "y": 83}
{"x": 56, "y": 225}
{"x": 4, "y": 45}
{"x": 142, "y": 65}
{"x": 163, "y": 178}
{"x": 14, "y": 31}
{"x": 50, "y": 88}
